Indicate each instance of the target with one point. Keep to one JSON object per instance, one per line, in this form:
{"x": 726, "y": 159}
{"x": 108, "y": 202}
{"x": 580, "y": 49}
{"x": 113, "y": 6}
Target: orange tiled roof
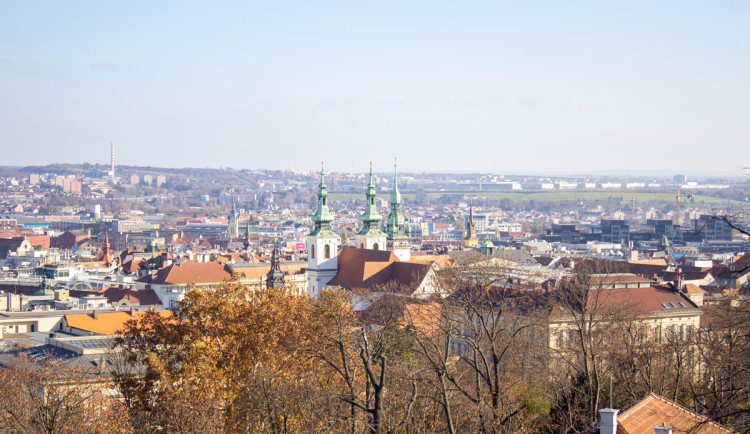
{"x": 694, "y": 289}
{"x": 662, "y": 262}
{"x": 106, "y": 323}
{"x": 654, "y": 410}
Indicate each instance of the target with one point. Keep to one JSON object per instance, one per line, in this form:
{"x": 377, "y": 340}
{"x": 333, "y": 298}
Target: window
{"x": 312, "y": 252}
{"x": 326, "y": 251}
{"x": 375, "y": 246}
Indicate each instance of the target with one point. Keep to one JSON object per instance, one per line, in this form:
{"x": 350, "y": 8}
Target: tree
{"x": 53, "y": 397}
{"x": 365, "y": 355}
{"x": 344, "y": 237}
{"x": 474, "y": 346}
{"x": 232, "y": 358}
{"x": 579, "y": 343}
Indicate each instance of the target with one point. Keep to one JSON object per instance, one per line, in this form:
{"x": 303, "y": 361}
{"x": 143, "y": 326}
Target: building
{"x": 713, "y": 228}
{"x": 661, "y": 313}
{"x": 615, "y": 231}
{"x": 398, "y": 233}
{"x": 655, "y": 414}
{"x": 665, "y": 227}
{"x": 322, "y": 244}
{"x": 377, "y": 272}
{"x": 171, "y": 282}
{"x": 233, "y": 229}
{"x": 481, "y": 221}
{"x": 370, "y": 237}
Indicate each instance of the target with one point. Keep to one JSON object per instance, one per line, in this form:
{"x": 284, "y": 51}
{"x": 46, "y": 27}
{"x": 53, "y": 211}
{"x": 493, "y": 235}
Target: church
{"x": 381, "y": 260}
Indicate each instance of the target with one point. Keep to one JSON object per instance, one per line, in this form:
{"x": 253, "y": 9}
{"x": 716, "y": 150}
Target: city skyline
{"x": 533, "y": 88}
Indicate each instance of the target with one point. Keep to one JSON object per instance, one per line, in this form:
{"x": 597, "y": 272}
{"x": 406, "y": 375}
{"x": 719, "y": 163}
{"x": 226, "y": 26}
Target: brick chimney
{"x": 95, "y": 314}
{"x": 608, "y": 421}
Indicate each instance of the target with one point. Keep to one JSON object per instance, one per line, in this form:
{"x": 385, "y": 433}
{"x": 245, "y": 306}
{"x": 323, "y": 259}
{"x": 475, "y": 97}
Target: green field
{"x": 553, "y": 196}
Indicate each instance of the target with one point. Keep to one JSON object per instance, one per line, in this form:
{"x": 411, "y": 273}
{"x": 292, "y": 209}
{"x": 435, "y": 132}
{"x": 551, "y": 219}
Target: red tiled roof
{"x": 639, "y": 300}
{"x": 368, "y": 269}
{"x": 184, "y": 273}
{"x": 618, "y": 278}
{"x": 654, "y": 410}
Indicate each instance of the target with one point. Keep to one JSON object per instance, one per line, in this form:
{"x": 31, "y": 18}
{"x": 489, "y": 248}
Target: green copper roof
{"x": 43, "y": 289}
{"x": 322, "y": 217}
{"x": 395, "y": 224}
{"x": 395, "y": 194}
{"x": 233, "y": 211}
{"x": 370, "y": 218}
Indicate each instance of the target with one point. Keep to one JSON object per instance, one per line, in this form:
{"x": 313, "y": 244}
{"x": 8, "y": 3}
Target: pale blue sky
{"x": 460, "y": 86}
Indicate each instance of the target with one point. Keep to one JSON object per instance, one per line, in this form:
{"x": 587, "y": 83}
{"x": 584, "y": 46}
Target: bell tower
{"x": 396, "y": 229}
{"x": 233, "y": 230}
{"x": 322, "y": 244}
{"x": 370, "y": 237}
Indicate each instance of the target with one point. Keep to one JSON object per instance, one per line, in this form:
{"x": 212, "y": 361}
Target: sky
{"x": 446, "y": 86}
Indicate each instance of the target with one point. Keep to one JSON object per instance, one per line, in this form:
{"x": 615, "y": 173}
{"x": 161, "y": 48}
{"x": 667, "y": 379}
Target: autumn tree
{"x": 51, "y": 396}
{"x": 231, "y": 358}
{"x": 370, "y": 355}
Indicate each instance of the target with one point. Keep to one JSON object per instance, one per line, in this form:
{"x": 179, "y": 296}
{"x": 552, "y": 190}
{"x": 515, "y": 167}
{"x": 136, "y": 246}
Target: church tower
{"x": 396, "y": 229}
{"x": 233, "y": 230}
{"x": 275, "y": 277}
{"x": 471, "y": 236}
{"x": 370, "y": 237}
{"x": 322, "y": 244}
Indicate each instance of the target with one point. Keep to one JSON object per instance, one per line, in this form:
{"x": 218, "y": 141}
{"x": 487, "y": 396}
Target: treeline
{"x": 486, "y": 358}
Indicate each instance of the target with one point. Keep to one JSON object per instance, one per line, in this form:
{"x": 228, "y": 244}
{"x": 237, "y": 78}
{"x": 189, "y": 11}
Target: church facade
{"x": 379, "y": 263}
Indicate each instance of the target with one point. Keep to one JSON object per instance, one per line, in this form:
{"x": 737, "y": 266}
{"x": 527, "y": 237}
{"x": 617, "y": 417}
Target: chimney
{"x": 132, "y": 311}
{"x": 663, "y": 429}
{"x": 608, "y": 421}
{"x": 95, "y": 314}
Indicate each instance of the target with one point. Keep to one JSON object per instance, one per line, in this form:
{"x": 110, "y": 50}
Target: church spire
{"x": 233, "y": 229}
{"x": 396, "y": 228}
{"x": 395, "y": 223}
{"x": 395, "y": 194}
{"x": 275, "y": 277}
{"x": 371, "y": 218}
{"x": 322, "y": 217}
{"x": 471, "y": 237}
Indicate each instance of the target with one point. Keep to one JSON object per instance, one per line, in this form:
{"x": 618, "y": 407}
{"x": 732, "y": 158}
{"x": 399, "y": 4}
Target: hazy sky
{"x": 460, "y": 86}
